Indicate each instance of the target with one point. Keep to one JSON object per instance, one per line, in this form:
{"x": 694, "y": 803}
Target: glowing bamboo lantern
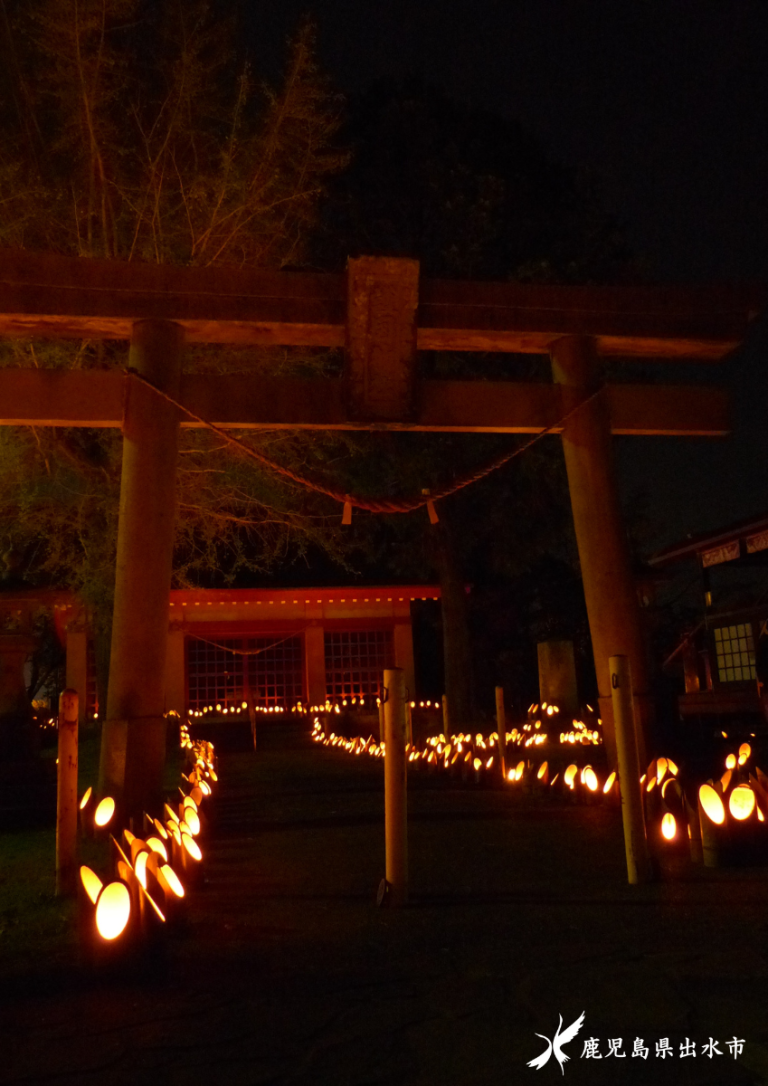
{"x": 669, "y": 827}
{"x": 712, "y": 824}
{"x": 590, "y": 779}
{"x": 85, "y": 814}
{"x": 611, "y": 794}
{"x": 103, "y": 816}
{"x": 693, "y": 819}
{"x": 104, "y": 917}
{"x": 191, "y": 859}
{"x": 113, "y": 910}
{"x": 158, "y": 846}
{"x": 741, "y": 802}
{"x": 136, "y": 874}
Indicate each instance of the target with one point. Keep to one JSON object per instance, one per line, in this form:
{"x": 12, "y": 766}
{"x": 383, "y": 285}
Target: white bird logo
{"x": 556, "y": 1044}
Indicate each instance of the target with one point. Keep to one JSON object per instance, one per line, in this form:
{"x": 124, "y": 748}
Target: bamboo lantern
{"x": 713, "y": 829}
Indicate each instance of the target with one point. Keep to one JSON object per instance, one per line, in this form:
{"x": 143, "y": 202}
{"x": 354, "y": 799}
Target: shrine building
{"x": 277, "y": 646}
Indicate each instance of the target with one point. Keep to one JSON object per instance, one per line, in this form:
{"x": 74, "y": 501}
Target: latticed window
{"x": 355, "y": 660}
{"x": 224, "y": 672}
{"x": 735, "y": 650}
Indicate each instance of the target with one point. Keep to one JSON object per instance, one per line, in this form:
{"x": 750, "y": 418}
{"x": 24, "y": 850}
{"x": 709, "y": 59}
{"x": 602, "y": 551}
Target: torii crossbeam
{"x": 381, "y": 314}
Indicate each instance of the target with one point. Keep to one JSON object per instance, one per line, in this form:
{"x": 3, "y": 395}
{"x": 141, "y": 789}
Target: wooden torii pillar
{"x": 382, "y": 314}
{"x": 615, "y": 621}
{"x": 133, "y": 736}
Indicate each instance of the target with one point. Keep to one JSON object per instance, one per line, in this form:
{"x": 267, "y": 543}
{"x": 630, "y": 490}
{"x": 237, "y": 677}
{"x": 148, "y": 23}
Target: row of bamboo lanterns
{"x": 151, "y": 873}
{"x": 723, "y": 820}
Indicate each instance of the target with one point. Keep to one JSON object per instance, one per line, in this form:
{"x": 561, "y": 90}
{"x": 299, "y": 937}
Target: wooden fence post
{"x": 66, "y": 796}
{"x": 629, "y": 770}
{"x": 501, "y": 728}
{"x": 395, "y": 787}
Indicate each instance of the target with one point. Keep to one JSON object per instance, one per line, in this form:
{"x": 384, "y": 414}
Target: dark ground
{"x": 287, "y": 973}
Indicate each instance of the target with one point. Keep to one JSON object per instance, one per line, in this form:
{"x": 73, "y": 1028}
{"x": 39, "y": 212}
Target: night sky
{"x": 666, "y": 103}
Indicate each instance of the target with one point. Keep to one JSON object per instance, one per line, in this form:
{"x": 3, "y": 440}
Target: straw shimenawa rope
{"x": 371, "y": 506}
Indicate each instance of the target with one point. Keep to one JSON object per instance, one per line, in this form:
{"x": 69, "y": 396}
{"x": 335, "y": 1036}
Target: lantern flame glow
{"x": 157, "y": 846}
{"x": 712, "y": 804}
{"x": 191, "y": 846}
{"x": 92, "y": 884}
{"x": 113, "y": 910}
{"x": 170, "y": 880}
{"x": 590, "y": 779}
{"x": 104, "y": 811}
{"x": 741, "y": 802}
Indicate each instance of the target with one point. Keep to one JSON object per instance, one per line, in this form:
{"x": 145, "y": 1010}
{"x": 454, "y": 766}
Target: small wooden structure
{"x": 381, "y": 314}
{"x": 720, "y": 655}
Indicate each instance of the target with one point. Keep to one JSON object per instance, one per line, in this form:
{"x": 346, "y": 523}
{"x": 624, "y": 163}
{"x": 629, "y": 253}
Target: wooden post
{"x": 395, "y": 787}
{"x": 446, "y": 718}
{"x": 612, "y": 604}
{"x": 501, "y": 728}
{"x": 380, "y": 707}
{"x": 66, "y": 797}
{"x": 314, "y": 663}
{"x": 77, "y": 664}
{"x": 133, "y": 741}
{"x": 628, "y": 770}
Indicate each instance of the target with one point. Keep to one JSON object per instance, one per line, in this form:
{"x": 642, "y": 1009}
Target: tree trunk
{"x": 456, "y": 642}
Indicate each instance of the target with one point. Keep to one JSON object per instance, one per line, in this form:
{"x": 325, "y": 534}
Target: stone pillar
{"x": 133, "y": 739}
{"x": 557, "y": 678}
{"x": 612, "y": 605}
{"x": 77, "y": 667}
{"x": 402, "y": 645}
{"x": 18, "y": 739}
{"x": 175, "y": 671}
{"x": 314, "y": 663}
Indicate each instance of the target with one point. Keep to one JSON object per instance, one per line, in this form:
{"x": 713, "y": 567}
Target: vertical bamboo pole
{"x": 395, "y": 785}
{"x": 501, "y": 728}
{"x": 66, "y": 797}
{"x": 133, "y": 739}
{"x": 380, "y": 707}
{"x": 628, "y": 770}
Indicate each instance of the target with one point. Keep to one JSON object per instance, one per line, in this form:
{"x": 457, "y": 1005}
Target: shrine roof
{"x": 184, "y": 597}
{"x": 742, "y": 537}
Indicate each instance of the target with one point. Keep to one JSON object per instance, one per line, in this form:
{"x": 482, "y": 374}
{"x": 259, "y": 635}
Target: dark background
{"x": 665, "y": 105}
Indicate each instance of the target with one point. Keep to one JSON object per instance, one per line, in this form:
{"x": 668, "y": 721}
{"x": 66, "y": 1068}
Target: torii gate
{"x": 381, "y": 314}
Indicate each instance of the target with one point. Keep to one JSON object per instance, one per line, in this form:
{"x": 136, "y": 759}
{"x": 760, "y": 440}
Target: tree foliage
{"x": 132, "y": 130}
